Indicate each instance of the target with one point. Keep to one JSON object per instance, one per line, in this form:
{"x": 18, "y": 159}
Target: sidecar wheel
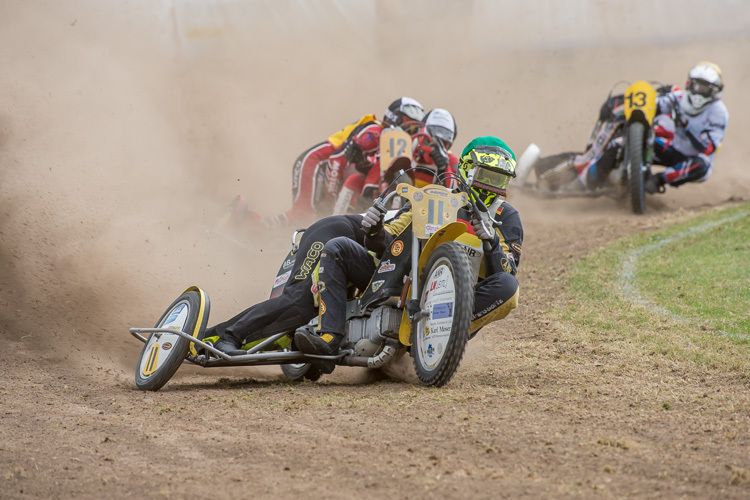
{"x": 446, "y": 293}
{"x": 298, "y": 371}
{"x": 163, "y": 353}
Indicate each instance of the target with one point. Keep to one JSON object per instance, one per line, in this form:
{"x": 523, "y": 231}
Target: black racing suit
{"x": 295, "y": 307}
{"x": 344, "y": 261}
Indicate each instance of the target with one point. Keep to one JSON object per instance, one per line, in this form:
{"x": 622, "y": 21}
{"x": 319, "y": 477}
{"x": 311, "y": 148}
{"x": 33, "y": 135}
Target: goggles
{"x": 489, "y": 168}
{"x": 442, "y": 133}
{"x": 702, "y": 88}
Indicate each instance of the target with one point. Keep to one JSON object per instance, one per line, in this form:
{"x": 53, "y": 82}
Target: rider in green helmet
{"x": 485, "y": 167}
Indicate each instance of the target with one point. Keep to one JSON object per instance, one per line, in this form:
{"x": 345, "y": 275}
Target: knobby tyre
{"x": 636, "y": 135}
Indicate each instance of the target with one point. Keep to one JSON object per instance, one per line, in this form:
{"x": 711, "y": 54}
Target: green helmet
{"x": 486, "y": 166}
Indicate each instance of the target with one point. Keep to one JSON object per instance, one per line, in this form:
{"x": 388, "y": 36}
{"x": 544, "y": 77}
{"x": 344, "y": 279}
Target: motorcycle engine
{"x": 366, "y": 335}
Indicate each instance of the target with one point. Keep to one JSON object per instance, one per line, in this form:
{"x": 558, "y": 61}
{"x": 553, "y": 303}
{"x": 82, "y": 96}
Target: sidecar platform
{"x": 207, "y": 355}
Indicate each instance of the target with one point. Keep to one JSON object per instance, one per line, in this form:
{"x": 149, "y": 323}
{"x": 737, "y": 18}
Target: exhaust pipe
{"x": 386, "y": 355}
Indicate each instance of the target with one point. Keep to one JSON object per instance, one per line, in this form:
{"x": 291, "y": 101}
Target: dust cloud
{"x": 125, "y": 128}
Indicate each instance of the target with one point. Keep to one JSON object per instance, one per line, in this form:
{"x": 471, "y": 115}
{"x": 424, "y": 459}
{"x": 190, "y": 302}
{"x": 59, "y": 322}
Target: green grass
{"x": 682, "y": 293}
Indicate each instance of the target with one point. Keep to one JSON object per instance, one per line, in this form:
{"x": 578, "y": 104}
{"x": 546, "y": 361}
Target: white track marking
{"x": 630, "y": 293}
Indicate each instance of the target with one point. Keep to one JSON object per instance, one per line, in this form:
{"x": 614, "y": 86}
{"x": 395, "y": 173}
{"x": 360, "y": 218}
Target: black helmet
{"x": 405, "y": 113}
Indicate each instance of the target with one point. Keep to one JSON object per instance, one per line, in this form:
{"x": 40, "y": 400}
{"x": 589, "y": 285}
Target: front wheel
{"x": 163, "y": 353}
{"x": 447, "y": 296}
{"x": 636, "y": 160}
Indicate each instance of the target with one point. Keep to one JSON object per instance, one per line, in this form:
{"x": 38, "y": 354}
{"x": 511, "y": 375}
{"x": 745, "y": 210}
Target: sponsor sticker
{"x": 318, "y": 287}
{"x": 386, "y": 267}
{"x": 281, "y": 279}
{"x": 397, "y": 248}
{"x": 176, "y": 313}
{"x": 444, "y": 310}
{"x": 376, "y": 285}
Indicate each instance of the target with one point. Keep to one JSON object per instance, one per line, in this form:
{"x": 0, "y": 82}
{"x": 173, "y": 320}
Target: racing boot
{"x": 326, "y": 344}
{"x": 655, "y": 184}
{"x": 229, "y": 346}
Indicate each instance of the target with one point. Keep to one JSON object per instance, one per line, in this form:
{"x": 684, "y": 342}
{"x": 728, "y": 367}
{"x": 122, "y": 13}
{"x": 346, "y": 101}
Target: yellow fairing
{"x": 641, "y": 96}
{"x": 449, "y": 232}
{"x": 201, "y": 313}
{"x": 342, "y": 135}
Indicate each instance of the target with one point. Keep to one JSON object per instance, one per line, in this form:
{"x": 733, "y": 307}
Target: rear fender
{"x": 204, "y": 308}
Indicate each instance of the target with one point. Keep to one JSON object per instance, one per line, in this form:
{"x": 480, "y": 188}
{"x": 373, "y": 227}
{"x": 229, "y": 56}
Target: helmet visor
{"x": 442, "y": 133}
{"x": 490, "y": 180}
{"x": 702, "y": 88}
{"x": 412, "y": 111}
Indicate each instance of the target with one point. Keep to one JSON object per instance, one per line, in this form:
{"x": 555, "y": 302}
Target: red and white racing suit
{"x": 325, "y": 163}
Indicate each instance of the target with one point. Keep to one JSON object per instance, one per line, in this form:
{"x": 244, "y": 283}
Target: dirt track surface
{"x": 117, "y": 152}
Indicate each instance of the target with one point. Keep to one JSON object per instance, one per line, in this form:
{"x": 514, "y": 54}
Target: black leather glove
{"x": 440, "y": 158}
{"x": 680, "y": 120}
{"x": 679, "y": 117}
{"x": 353, "y": 153}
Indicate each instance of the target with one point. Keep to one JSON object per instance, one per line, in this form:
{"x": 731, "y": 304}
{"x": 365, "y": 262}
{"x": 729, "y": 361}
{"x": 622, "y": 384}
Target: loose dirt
{"x": 117, "y": 151}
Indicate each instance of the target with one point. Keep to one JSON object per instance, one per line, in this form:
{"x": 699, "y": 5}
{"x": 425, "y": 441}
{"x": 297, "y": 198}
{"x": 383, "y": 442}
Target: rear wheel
{"x": 298, "y": 371}
{"x": 163, "y": 353}
{"x": 447, "y": 296}
{"x": 636, "y": 160}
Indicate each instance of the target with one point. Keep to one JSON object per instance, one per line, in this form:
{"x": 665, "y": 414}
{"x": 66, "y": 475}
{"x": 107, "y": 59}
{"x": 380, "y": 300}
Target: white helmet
{"x": 703, "y": 87}
{"x": 440, "y": 124}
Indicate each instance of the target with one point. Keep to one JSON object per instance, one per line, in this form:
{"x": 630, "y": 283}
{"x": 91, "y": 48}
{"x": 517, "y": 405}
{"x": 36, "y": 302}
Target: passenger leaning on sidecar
{"x": 295, "y": 307}
{"x": 345, "y": 261}
{"x": 689, "y": 127}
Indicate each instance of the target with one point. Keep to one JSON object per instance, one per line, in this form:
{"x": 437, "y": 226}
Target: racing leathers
{"x": 343, "y": 261}
{"x": 318, "y": 172}
{"x": 295, "y": 306}
{"x": 426, "y": 154}
{"x": 687, "y": 144}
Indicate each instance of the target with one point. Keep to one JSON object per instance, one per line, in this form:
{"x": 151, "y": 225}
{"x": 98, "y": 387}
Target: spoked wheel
{"x": 445, "y": 293}
{"x": 636, "y": 159}
{"x": 164, "y": 352}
